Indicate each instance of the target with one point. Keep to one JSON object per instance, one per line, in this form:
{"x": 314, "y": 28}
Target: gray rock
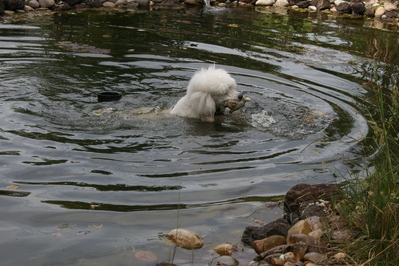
{"x": 108, "y": 4}
{"x": 299, "y": 200}
{"x": 73, "y": 2}
{"x": 370, "y": 12}
{"x": 392, "y": 14}
{"x": 46, "y": 3}
{"x": 303, "y": 4}
{"x": 277, "y": 227}
{"x": 358, "y": 7}
{"x": 224, "y": 260}
{"x": 281, "y": 3}
{"x": 344, "y": 8}
{"x": 143, "y": 3}
{"x": 94, "y": 3}
{"x": 13, "y": 4}
{"x": 323, "y": 5}
{"x": 34, "y": 3}
{"x": 121, "y": 2}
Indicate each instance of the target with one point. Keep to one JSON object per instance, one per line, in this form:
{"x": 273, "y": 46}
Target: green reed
{"x": 371, "y": 204}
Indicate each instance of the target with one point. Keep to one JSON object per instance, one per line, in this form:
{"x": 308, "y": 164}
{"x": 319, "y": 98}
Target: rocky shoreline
{"x": 311, "y": 233}
{"x": 385, "y": 11}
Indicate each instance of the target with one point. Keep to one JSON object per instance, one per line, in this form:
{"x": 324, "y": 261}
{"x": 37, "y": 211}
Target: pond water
{"x": 84, "y": 182}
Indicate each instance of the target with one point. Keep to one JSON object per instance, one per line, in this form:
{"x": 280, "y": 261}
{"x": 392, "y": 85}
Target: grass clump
{"x": 371, "y": 205}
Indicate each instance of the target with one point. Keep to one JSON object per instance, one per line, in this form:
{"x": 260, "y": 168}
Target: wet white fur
{"x": 207, "y": 91}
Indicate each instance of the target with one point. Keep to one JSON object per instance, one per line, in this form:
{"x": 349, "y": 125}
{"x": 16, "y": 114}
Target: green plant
{"x": 372, "y": 204}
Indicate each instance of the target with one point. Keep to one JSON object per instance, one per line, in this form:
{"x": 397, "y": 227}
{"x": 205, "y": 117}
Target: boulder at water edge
{"x": 46, "y": 3}
{"x": 13, "y": 4}
{"x": 264, "y": 2}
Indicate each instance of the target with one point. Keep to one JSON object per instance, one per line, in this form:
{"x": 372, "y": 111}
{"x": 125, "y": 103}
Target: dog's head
{"x": 218, "y": 90}
{"x": 236, "y": 103}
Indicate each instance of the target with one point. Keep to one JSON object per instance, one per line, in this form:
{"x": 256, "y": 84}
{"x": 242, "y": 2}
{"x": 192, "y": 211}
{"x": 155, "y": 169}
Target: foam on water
{"x": 262, "y": 120}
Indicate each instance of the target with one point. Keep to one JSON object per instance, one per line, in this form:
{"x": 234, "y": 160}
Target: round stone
{"x": 379, "y": 12}
{"x": 264, "y": 2}
{"x": 108, "y": 4}
{"x": 34, "y": 4}
{"x": 46, "y": 3}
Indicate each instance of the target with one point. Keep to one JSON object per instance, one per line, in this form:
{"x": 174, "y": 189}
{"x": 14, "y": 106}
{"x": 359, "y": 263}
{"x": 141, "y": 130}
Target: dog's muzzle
{"x": 235, "y": 104}
{"x": 244, "y": 98}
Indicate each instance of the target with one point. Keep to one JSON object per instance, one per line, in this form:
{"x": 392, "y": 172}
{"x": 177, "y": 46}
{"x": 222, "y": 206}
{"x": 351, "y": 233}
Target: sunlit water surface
{"x": 89, "y": 183}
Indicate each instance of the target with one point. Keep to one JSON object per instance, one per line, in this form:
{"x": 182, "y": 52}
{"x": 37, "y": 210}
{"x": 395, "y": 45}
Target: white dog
{"x": 210, "y": 91}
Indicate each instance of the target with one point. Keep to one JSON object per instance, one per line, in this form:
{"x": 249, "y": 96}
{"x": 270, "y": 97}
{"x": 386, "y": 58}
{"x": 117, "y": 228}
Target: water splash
{"x": 262, "y": 120}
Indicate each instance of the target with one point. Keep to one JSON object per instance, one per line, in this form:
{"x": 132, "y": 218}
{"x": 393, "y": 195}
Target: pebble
{"x": 301, "y": 227}
{"x": 289, "y": 256}
{"x": 184, "y": 238}
{"x": 108, "y": 4}
{"x": 264, "y": 2}
{"x": 314, "y": 244}
{"x": 340, "y": 235}
{"x": 314, "y": 257}
{"x": 315, "y": 223}
{"x": 28, "y": 8}
{"x": 224, "y": 249}
{"x": 281, "y": 3}
{"x": 121, "y": 2}
{"x": 9, "y": 12}
{"x": 33, "y": 4}
{"x": 268, "y": 243}
{"x": 46, "y": 3}
{"x": 379, "y": 12}
{"x": 390, "y": 6}
{"x": 318, "y": 233}
{"x": 340, "y": 255}
{"x": 225, "y": 261}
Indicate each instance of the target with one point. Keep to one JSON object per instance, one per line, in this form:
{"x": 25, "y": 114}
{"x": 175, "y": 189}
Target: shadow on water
{"x": 98, "y": 180}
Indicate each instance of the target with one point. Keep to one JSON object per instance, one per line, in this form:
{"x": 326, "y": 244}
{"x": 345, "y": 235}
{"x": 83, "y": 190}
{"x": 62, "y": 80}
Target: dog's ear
{"x": 204, "y": 106}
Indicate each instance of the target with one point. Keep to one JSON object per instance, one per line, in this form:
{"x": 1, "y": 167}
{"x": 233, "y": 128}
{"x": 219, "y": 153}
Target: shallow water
{"x": 99, "y": 181}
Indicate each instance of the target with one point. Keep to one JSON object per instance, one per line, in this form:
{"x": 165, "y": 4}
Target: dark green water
{"x": 95, "y": 188}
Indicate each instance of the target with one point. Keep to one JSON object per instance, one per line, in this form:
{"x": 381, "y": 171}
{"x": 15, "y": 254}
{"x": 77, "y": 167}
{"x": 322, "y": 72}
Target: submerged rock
{"x": 145, "y": 255}
{"x": 185, "y": 238}
{"x": 224, "y": 249}
{"x": 224, "y": 261}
